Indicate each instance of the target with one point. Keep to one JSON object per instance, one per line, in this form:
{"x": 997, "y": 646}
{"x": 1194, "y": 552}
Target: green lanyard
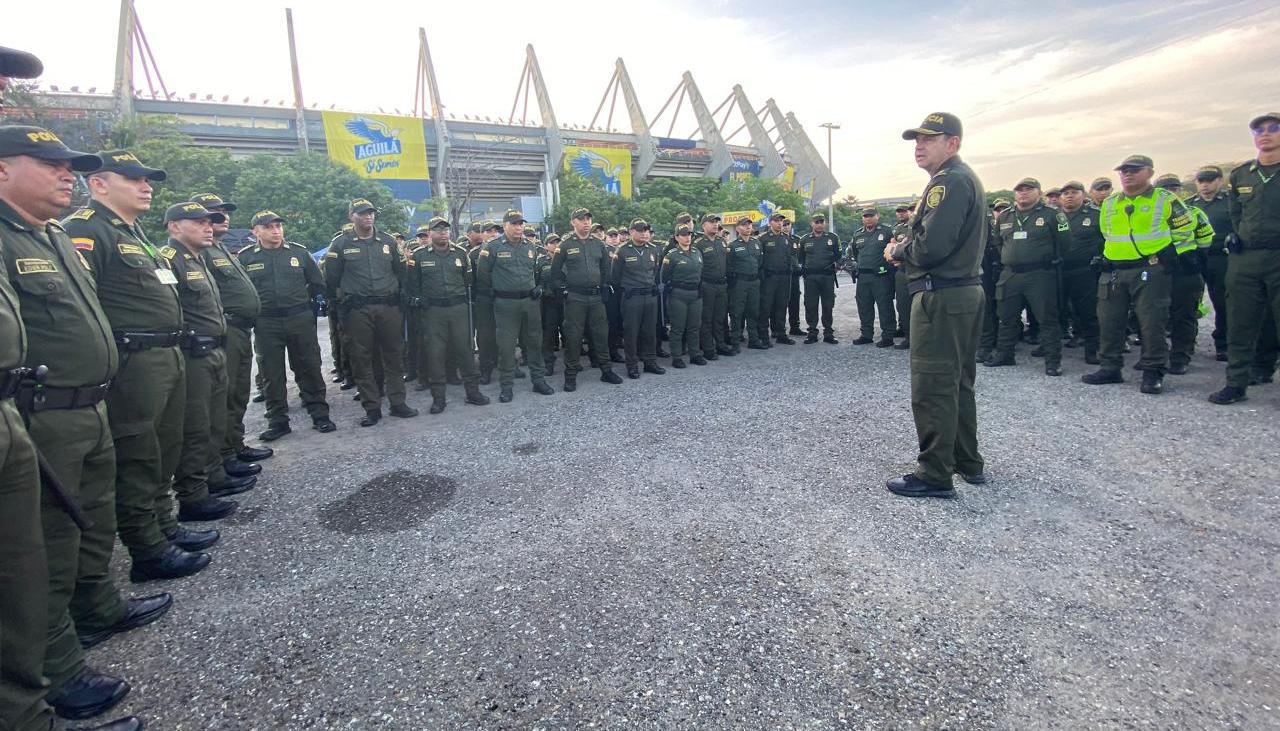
{"x": 1264, "y": 178}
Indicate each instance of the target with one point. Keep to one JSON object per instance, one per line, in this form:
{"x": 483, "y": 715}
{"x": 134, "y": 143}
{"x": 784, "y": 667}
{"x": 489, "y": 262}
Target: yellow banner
{"x": 606, "y": 167}
{"x": 377, "y": 146}
{"x": 730, "y": 218}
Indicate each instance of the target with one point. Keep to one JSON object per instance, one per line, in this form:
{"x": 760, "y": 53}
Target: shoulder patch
{"x": 935, "y": 196}
{"x": 34, "y": 266}
{"x": 256, "y": 266}
{"x": 168, "y": 252}
{"x": 83, "y": 244}
{"x": 331, "y": 255}
{"x": 83, "y": 214}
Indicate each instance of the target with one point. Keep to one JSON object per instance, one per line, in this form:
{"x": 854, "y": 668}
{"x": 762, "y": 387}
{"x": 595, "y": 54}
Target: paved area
{"x": 714, "y": 548}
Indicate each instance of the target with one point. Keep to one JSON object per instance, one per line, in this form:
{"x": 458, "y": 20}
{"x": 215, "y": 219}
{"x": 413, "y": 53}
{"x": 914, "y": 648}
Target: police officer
{"x": 634, "y": 275}
{"x": 507, "y": 267}
{"x": 682, "y": 275}
{"x": 412, "y": 338}
{"x": 363, "y": 275}
{"x": 1141, "y": 225}
{"x": 146, "y": 402}
{"x": 291, "y": 288}
{"x": 190, "y": 228}
{"x": 901, "y": 296}
{"x": 745, "y": 256}
{"x": 1079, "y": 281}
{"x": 715, "y": 288}
{"x": 776, "y": 266}
{"x": 1099, "y": 189}
{"x": 1253, "y": 269}
{"x": 1187, "y": 286}
{"x": 991, "y": 275}
{"x": 438, "y": 283}
{"x": 240, "y": 302}
{"x": 1053, "y": 198}
{"x": 793, "y": 290}
{"x": 682, "y": 219}
{"x": 1032, "y": 239}
{"x": 482, "y": 308}
{"x": 337, "y": 338}
{"x": 1212, "y": 200}
{"x": 553, "y": 309}
{"x": 874, "y": 279}
{"x": 819, "y": 255}
{"x": 581, "y": 268}
{"x": 943, "y": 257}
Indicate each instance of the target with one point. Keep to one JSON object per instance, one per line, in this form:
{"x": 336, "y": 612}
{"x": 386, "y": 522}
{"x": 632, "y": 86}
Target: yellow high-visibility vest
{"x": 1138, "y": 227}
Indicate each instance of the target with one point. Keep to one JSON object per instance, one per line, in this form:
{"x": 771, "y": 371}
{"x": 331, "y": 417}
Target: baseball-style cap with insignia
{"x": 1269, "y": 116}
{"x": 262, "y": 218}
{"x": 1028, "y": 183}
{"x": 1168, "y": 180}
{"x": 903, "y": 207}
{"x": 213, "y": 202}
{"x": 597, "y": 227}
{"x": 423, "y": 230}
{"x": 870, "y": 211}
{"x": 40, "y": 143}
{"x": 683, "y": 230}
{"x": 491, "y": 226}
{"x": 711, "y": 218}
{"x": 528, "y": 230}
{"x": 1135, "y": 161}
{"x": 552, "y": 239}
{"x": 1208, "y": 172}
{"x": 19, "y": 64}
{"x": 580, "y": 213}
{"x": 123, "y": 162}
{"x": 1100, "y": 184}
{"x": 476, "y": 227}
{"x": 744, "y": 221}
{"x": 611, "y": 232}
{"x": 191, "y": 212}
{"x": 1000, "y": 204}
{"x": 361, "y": 205}
{"x": 820, "y": 217}
{"x": 1073, "y": 185}
{"x": 937, "y": 123}
{"x": 639, "y": 224}
{"x": 1053, "y": 191}
{"x": 684, "y": 218}
{"x": 438, "y": 222}
{"x": 778, "y": 217}
{"x": 513, "y": 216}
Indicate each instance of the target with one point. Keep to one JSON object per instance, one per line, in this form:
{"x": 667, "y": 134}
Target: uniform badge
{"x": 880, "y": 237}
{"x": 222, "y": 262}
{"x": 126, "y": 249}
{"x": 83, "y": 244}
{"x": 166, "y": 276}
{"x": 1087, "y": 222}
{"x": 457, "y": 263}
{"x": 1244, "y": 190}
{"x": 386, "y": 249}
{"x": 331, "y": 255}
{"x": 1039, "y": 221}
{"x": 293, "y": 262}
{"x": 530, "y": 253}
{"x": 935, "y": 195}
{"x": 256, "y": 267}
{"x": 428, "y": 263}
{"x": 35, "y": 266}
{"x": 194, "y": 275}
{"x": 1146, "y": 209}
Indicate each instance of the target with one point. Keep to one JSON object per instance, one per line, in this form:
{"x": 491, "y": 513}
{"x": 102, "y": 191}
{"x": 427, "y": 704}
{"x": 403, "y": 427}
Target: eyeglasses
{"x": 1270, "y": 129}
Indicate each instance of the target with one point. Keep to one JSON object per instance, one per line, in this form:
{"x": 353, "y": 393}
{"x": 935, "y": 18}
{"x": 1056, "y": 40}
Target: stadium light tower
{"x": 831, "y": 204}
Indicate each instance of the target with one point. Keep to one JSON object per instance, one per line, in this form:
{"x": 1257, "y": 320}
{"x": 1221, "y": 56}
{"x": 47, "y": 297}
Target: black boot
{"x": 811, "y": 338}
{"x": 172, "y": 563}
{"x": 371, "y": 417}
{"x": 402, "y": 411}
{"x": 486, "y": 376}
{"x": 1152, "y": 382}
{"x": 206, "y": 509}
{"x": 86, "y": 694}
{"x": 505, "y": 395}
{"x": 138, "y": 612}
{"x": 475, "y": 398}
{"x": 570, "y": 382}
{"x": 610, "y": 377}
{"x": 437, "y": 399}
{"x": 830, "y": 338}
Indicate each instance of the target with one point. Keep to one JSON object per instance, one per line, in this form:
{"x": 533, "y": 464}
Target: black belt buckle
{"x": 928, "y": 283}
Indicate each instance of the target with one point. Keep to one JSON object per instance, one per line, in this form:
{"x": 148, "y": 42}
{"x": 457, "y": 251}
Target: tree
{"x": 311, "y": 193}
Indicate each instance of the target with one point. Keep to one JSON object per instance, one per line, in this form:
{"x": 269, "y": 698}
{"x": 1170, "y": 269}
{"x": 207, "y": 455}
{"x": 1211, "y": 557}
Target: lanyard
{"x": 1264, "y": 178}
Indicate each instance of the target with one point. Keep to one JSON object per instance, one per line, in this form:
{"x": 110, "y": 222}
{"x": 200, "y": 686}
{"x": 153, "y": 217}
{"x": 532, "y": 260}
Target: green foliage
{"x": 190, "y": 169}
{"x": 88, "y": 131}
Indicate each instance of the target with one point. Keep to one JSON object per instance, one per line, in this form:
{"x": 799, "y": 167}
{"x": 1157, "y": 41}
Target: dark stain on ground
{"x": 525, "y": 449}
{"x": 243, "y": 516}
{"x": 389, "y": 503}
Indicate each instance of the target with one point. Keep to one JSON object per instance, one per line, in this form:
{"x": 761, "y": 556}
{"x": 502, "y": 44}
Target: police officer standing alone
{"x": 819, "y": 252}
{"x": 363, "y": 274}
{"x": 943, "y": 257}
{"x": 581, "y": 267}
{"x": 291, "y": 288}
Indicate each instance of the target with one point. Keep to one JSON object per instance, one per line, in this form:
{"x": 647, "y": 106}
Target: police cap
{"x": 361, "y": 205}
{"x": 1028, "y": 183}
{"x": 42, "y": 144}
{"x": 213, "y": 202}
{"x": 937, "y": 123}
{"x": 513, "y": 216}
{"x": 1135, "y": 161}
{"x": 19, "y": 64}
{"x": 1073, "y": 185}
{"x": 1208, "y": 172}
{"x": 262, "y": 218}
{"x": 1168, "y": 180}
{"x": 191, "y": 212}
{"x": 123, "y": 162}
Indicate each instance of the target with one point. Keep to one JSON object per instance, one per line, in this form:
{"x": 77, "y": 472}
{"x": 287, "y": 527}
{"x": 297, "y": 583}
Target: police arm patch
{"x": 935, "y": 196}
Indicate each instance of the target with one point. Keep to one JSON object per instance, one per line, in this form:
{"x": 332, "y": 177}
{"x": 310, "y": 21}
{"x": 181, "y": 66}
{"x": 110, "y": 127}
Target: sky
{"x": 1055, "y": 92}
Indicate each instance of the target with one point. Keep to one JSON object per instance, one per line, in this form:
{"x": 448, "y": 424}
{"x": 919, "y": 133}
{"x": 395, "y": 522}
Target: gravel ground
{"x": 714, "y": 548}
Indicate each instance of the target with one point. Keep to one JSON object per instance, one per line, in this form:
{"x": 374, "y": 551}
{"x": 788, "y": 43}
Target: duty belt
{"x": 1109, "y": 265}
{"x": 244, "y": 323}
{"x": 507, "y": 294}
{"x": 640, "y": 291}
{"x": 284, "y": 311}
{"x": 200, "y": 346}
{"x": 134, "y": 341}
{"x": 1075, "y": 265}
{"x": 11, "y": 381}
{"x": 746, "y": 277}
{"x": 584, "y": 291}
{"x": 690, "y": 287}
{"x": 714, "y": 280}
{"x": 359, "y": 301}
{"x": 33, "y": 398}
{"x": 929, "y": 283}
{"x": 1260, "y": 245}
{"x": 460, "y": 299}
{"x": 1024, "y": 268}
{"x": 778, "y": 272}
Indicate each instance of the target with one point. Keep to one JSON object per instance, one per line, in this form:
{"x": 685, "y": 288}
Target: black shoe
{"x": 86, "y": 694}
{"x": 486, "y": 376}
{"x": 254, "y": 454}
{"x": 259, "y": 397}
{"x": 977, "y": 478}
{"x": 996, "y": 361}
{"x": 711, "y": 356}
{"x": 207, "y": 508}
{"x": 1228, "y": 395}
{"x": 233, "y": 486}
{"x": 737, "y": 349}
{"x": 193, "y": 540}
{"x": 475, "y": 398}
{"x": 438, "y": 402}
{"x": 811, "y": 339}
{"x": 410, "y": 377}
{"x": 654, "y": 368}
{"x": 912, "y": 486}
{"x": 757, "y": 345}
{"x": 505, "y": 395}
{"x": 235, "y": 468}
{"x": 519, "y": 373}
{"x": 174, "y": 563}
{"x": 617, "y": 357}
{"x": 274, "y": 432}
{"x": 138, "y": 612}
{"x": 402, "y": 411}
{"x": 324, "y": 425}
{"x": 1091, "y": 356}
{"x": 1101, "y": 377}
{"x": 128, "y": 723}
{"x": 795, "y": 330}
{"x": 610, "y": 377}
{"x": 1177, "y": 369}
{"x": 698, "y": 360}
{"x": 899, "y": 333}
{"x": 784, "y": 340}
{"x": 1152, "y": 382}
{"x": 633, "y": 372}
{"x": 768, "y": 344}
{"x": 1037, "y": 352}
{"x": 885, "y": 343}
{"x": 570, "y": 383}
{"x": 542, "y": 387}
{"x": 726, "y": 351}
{"x": 1221, "y": 356}
{"x": 549, "y": 367}
{"x": 677, "y": 363}
{"x": 1053, "y": 370}
{"x": 1137, "y": 366}
{"x": 983, "y": 355}
{"x": 830, "y": 339}
{"x": 864, "y": 340}
{"x": 904, "y": 345}
{"x": 663, "y": 352}
{"x": 339, "y": 378}
{"x": 371, "y": 417}
{"x": 356, "y": 396}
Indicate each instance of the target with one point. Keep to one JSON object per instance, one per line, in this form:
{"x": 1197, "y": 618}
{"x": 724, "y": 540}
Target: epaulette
{"x": 168, "y": 252}
{"x": 81, "y": 214}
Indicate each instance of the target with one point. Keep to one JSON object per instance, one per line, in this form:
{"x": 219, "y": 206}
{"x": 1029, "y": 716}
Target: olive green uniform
{"x": 241, "y": 305}
{"x": 204, "y": 423}
{"x": 286, "y": 278}
{"x": 875, "y": 281}
{"x": 715, "y": 294}
{"x": 682, "y": 274}
{"x": 902, "y": 295}
{"x": 1031, "y": 245}
{"x": 1186, "y": 289}
{"x": 508, "y": 270}
{"x": 990, "y": 275}
{"x": 67, "y": 421}
{"x": 552, "y": 305}
{"x": 363, "y": 276}
{"x": 634, "y": 274}
{"x": 485, "y": 328}
{"x": 1079, "y": 282}
{"x": 24, "y": 571}
{"x": 581, "y": 267}
{"x": 138, "y": 291}
{"x": 745, "y": 256}
{"x": 1253, "y": 268}
{"x": 793, "y": 291}
{"x": 437, "y": 286}
{"x": 1214, "y": 262}
{"x": 819, "y": 255}
{"x": 943, "y": 262}
{"x": 776, "y": 265}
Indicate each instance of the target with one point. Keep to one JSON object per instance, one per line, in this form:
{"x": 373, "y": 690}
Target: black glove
{"x": 1095, "y": 265}
{"x": 319, "y": 305}
{"x": 536, "y": 293}
{"x": 1233, "y": 243}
